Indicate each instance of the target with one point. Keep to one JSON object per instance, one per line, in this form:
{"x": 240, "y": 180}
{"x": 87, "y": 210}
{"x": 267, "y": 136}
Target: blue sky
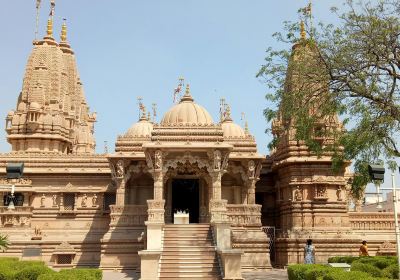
{"x": 125, "y": 49}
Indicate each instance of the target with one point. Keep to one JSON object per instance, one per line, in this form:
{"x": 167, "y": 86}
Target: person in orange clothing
{"x": 363, "y": 249}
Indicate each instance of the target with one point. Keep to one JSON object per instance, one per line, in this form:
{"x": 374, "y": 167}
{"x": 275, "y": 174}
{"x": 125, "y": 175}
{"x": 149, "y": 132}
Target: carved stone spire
{"x": 51, "y": 115}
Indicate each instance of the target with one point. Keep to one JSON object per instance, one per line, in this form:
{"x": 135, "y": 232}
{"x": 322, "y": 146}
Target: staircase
{"x": 189, "y": 253}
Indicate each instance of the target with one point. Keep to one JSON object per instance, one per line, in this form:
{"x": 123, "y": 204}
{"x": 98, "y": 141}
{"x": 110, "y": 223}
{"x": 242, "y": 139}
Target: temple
{"x": 120, "y": 211}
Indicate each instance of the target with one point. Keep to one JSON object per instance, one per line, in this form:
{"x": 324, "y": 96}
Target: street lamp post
{"x": 13, "y": 171}
{"x": 377, "y": 173}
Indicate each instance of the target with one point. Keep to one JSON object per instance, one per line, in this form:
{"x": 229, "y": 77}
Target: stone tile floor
{"x": 274, "y": 274}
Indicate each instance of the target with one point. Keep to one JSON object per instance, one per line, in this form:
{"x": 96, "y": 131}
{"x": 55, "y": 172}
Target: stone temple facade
{"x": 115, "y": 211}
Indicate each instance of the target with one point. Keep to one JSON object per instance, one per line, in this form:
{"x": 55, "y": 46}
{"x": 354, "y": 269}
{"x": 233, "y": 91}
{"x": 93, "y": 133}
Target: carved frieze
{"x": 17, "y": 182}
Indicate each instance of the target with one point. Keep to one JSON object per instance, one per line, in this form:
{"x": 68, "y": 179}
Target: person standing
{"x": 309, "y": 253}
{"x": 363, "y": 249}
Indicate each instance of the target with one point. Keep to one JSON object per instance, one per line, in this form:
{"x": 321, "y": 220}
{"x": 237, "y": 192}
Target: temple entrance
{"x": 185, "y": 197}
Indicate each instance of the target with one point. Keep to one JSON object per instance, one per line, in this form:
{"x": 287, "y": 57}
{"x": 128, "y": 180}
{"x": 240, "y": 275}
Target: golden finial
{"x": 49, "y": 27}
{"x": 148, "y": 116}
{"x": 64, "y": 31}
{"x": 302, "y": 30}
{"x": 227, "y": 113}
{"x": 187, "y": 92}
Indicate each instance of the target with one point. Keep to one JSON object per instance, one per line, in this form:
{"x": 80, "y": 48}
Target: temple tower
{"x": 52, "y": 115}
{"x": 311, "y": 197}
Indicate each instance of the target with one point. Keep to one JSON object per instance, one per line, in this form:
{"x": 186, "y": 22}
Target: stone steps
{"x": 188, "y": 253}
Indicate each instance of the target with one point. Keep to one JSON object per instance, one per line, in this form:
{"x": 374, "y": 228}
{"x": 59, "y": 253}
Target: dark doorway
{"x": 185, "y": 196}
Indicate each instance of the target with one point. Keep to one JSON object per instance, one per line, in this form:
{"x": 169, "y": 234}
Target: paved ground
{"x": 275, "y": 274}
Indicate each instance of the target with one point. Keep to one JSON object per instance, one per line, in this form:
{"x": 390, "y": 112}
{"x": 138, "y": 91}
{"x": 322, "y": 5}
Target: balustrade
{"x": 128, "y": 215}
{"x": 244, "y": 215}
{"x": 372, "y": 221}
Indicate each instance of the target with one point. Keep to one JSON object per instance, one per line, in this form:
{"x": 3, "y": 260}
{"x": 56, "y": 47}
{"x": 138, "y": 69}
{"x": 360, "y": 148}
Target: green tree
{"x": 4, "y": 243}
{"x": 354, "y": 73}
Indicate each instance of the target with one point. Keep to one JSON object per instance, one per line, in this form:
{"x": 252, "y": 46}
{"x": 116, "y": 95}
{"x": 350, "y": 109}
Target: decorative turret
{"x": 234, "y": 134}
{"x": 52, "y": 115}
{"x": 137, "y": 134}
{"x": 306, "y": 87}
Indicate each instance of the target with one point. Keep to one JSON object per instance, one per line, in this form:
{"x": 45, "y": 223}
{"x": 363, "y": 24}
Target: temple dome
{"x": 232, "y": 130}
{"x": 187, "y": 112}
{"x": 143, "y": 128}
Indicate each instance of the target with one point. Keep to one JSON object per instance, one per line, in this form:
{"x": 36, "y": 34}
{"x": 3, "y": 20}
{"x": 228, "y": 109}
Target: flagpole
{"x": 37, "y": 19}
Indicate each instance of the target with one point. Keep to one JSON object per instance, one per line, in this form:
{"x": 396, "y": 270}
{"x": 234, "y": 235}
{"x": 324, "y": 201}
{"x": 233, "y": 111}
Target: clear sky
{"x": 125, "y": 49}
{"x": 129, "y": 48}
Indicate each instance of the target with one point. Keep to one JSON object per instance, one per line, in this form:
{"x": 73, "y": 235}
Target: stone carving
{"x": 84, "y": 200}
{"x": 339, "y": 194}
{"x": 217, "y": 160}
{"x": 94, "y": 200}
{"x": 149, "y": 161}
{"x": 155, "y": 210}
{"x": 225, "y": 162}
{"x": 128, "y": 215}
{"x": 43, "y": 200}
{"x": 195, "y": 163}
{"x": 158, "y": 160}
{"x": 20, "y": 181}
{"x": 321, "y": 192}
{"x": 251, "y": 169}
{"x": 244, "y": 215}
{"x": 55, "y": 200}
{"x": 37, "y": 234}
{"x": 298, "y": 194}
{"x": 120, "y": 169}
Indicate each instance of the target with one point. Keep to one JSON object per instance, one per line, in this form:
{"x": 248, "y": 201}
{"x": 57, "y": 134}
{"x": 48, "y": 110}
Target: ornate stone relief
{"x": 55, "y": 203}
{"x": 339, "y": 193}
{"x": 94, "y": 200}
{"x": 251, "y": 169}
{"x": 119, "y": 171}
{"x": 158, "y": 160}
{"x": 217, "y": 160}
{"x": 298, "y": 194}
{"x": 43, "y": 200}
{"x": 183, "y": 160}
{"x": 20, "y": 181}
{"x": 321, "y": 192}
{"x": 84, "y": 200}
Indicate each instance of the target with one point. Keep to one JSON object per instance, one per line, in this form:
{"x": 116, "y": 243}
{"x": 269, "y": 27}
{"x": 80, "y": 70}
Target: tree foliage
{"x": 356, "y": 76}
{"x": 4, "y": 243}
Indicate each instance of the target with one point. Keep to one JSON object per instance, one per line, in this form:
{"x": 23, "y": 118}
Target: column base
{"x": 149, "y": 261}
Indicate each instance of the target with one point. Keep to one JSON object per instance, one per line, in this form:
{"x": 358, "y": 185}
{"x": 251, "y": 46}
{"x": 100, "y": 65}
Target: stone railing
{"x": 128, "y": 215}
{"x": 244, "y": 215}
{"x": 20, "y": 216}
{"x": 371, "y": 221}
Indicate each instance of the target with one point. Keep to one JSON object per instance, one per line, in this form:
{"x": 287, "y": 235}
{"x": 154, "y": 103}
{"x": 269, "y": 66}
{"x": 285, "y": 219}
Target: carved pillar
{"x": 120, "y": 180}
{"x": 251, "y": 191}
{"x": 120, "y": 193}
{"x": 244, "y": 193}
{"x": 158, "y": 185}
{"x": 216, "y": 185}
